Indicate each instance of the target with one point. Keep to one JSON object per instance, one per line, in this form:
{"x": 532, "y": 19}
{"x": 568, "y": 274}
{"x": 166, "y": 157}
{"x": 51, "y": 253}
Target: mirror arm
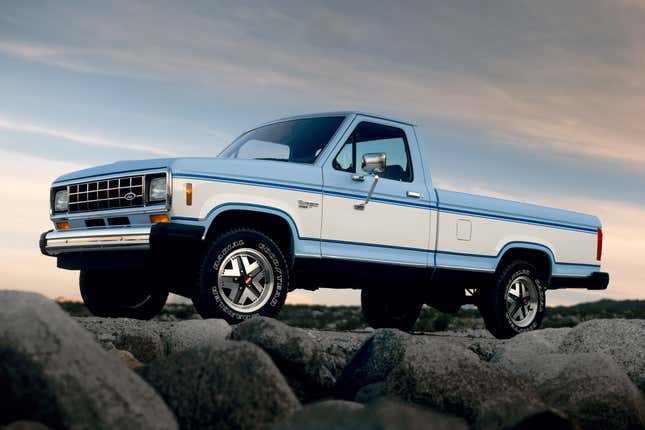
{"x": 361, "y": 206}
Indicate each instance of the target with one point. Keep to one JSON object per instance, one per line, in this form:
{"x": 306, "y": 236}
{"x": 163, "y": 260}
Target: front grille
{"x": 114, "y": 193}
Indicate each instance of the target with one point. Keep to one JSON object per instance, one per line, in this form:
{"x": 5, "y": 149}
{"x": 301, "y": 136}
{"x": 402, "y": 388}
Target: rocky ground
{"x": 58, "y": 371}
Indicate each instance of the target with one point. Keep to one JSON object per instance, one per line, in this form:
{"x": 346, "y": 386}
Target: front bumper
{"x": 124, "y": 238}
{"x": 121, "y": 246}
{"x": 595, "y": 281}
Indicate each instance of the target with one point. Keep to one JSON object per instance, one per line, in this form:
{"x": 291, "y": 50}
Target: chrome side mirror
{"x": 373, "y": 163}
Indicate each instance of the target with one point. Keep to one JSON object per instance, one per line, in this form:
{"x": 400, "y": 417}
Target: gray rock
{"x": 189, "y": 334}
{"x": 227, "y": 385}
{"x": 53, "y": 372}
{"x": 294, "y": 351}
{"x": 25, "y": 425}
{"x": 526, "y": 345}
{"x": 141, "y": 338}
{"x": 386, "y": 414}
{"x": 126, "y": 358}
{"x": 372, "y": 363}
{"x": 338, "y": 347}
{"x": 619, "y": 338}
{"x": 371, "y": 392}
{"x": 588, "y": 387}
{"x": 434, "y": 372}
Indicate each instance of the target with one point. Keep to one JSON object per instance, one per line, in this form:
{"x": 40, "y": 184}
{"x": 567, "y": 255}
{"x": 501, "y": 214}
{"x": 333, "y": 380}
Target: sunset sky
{"x": 538, "y": 101}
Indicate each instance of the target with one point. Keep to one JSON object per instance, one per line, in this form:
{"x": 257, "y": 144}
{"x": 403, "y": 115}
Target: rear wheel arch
{"x": 539, "y": 256}
{"x": 273, "y": 223}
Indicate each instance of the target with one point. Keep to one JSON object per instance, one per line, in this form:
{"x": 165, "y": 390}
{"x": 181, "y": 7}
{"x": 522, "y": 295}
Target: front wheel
{"x": 243, "y": 274}
{"x": 516, "y": 301}
{"x": 122, "y": 293}
{"x": 385, "y": 307}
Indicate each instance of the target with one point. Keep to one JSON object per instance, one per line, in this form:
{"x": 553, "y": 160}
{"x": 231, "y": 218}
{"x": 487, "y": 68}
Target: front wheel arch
{"x": 276, "y": 224}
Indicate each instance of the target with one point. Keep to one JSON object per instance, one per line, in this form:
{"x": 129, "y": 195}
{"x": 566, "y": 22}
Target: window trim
{"x": 351, "y": 136}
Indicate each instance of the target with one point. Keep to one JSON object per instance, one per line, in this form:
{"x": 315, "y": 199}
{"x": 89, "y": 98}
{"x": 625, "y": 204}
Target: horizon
{"x": 535, "y": 102}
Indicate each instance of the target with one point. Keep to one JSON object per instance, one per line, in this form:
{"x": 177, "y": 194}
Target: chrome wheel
{"x": 245, "y": 280}
{"x": 522, "y": 301}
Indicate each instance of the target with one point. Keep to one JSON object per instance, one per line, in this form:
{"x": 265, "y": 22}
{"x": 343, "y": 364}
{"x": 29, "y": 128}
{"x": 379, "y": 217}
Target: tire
{"x": 226, "y": 284}
{"x": 516, "y": 302}
{"x": 122, "y": 293}
{"x": 383, "y": 309}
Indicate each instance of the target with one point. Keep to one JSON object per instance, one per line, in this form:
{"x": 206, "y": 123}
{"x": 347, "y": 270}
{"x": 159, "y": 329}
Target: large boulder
{"x": 385, "y": 414}
{"x": 372, "y": 363}
{"x": 141, "y": 338}
{"x": 515, "y": 351}
{"x": 590, "y": 388}
{"x": 149, "y": 340}
{"x": 52, "y": 371}
{"x": 619, "y": 338}
{"x": 225, "y": 385}
{"x": 295, "y": 352}
{"x": 434, "y": 372}
{"x": 189, "y": 334}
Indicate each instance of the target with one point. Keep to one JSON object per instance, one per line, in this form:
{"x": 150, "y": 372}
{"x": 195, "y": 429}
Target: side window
{"x": 369, "y": 137}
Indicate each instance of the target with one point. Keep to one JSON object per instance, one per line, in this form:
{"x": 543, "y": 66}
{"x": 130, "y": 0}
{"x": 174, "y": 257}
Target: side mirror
{"x": 374, "y": 162}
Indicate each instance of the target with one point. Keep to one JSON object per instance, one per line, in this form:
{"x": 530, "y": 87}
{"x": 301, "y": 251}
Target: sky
{"x": 542, "y": 102}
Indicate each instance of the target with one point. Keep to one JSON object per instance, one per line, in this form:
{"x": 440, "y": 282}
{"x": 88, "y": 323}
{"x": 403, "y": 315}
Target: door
{"x": 394, "y": 226}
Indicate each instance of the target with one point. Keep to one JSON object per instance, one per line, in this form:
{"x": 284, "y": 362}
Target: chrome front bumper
{"x": 109, "y": 239}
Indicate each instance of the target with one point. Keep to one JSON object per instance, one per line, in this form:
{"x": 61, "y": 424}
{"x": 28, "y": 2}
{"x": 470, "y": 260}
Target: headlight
{"x": 60, "y": 201}
{"x": 157, "y": 191}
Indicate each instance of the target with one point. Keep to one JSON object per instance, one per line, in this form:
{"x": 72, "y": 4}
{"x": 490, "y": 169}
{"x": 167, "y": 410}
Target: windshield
{"x": 297, "y": 141}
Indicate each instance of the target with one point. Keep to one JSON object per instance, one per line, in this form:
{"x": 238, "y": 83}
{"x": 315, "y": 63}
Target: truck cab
{"x": 335, "y": 200}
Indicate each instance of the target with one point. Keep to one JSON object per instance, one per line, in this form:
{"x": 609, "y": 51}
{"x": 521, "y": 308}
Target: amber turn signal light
{"x": 159, "y": 218}
{"x": 63, "y": 225}
{"x": 189, "y": 194}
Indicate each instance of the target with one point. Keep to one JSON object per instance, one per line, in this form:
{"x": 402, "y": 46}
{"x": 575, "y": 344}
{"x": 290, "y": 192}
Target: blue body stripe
{"x": 427, "y": 206}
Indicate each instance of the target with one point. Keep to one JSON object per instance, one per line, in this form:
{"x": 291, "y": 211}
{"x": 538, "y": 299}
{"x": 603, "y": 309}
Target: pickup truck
{"x": 334, "y": 200}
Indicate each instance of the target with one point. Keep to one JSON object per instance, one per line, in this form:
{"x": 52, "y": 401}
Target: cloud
{"x": 534, "y": 76}
{"x": 82, "y": 138}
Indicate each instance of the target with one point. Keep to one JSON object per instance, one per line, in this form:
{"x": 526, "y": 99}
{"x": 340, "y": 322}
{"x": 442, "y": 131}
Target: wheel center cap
{"x": 248, "y": 280}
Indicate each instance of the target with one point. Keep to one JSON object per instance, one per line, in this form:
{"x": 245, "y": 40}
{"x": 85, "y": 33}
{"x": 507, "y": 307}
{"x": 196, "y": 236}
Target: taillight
{"x": 599, "y": 246}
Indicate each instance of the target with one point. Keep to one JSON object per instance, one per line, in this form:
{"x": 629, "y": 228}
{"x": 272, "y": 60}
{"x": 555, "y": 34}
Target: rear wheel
{"x": 122, "y": 293}
{"x": 384, "y": 308}
{"x": 243, "y": 274}
{"x": 516, "y": 301}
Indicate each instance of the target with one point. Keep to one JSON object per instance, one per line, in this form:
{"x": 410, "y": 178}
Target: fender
{"x": 527, "y": 245}
{"x": 302, "y": 246}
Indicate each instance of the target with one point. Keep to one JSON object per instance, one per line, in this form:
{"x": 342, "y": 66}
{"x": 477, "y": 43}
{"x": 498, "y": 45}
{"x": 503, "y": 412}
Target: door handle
{"x": 414, "y": 194}
{"x": 358, "y": 178}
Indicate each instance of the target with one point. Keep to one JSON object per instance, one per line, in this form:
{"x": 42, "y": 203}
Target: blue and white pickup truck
{"x": 335, "y": 200}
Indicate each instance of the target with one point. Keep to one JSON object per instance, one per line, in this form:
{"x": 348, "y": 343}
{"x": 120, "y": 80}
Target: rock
{"x": 141, "y": 338}
{"x": 386, "y": 414}
{"x": 619, "y": 338}
{"x": 189, "y": 334}
{"x": 371, "y": 392}
{"x": 126, "y": 358}
{"x": 434, "y": 372}
{"x": 526, "y": 345}
{"x": 53, "y": 372}
{"x": 295, "y": 353}
{"x": 588, "y": 387}
{"x": 226, "y": 385}
{"x": 25, "y": 425}
{"x": 338, "y": 347}
{"x": 372, "y": 363}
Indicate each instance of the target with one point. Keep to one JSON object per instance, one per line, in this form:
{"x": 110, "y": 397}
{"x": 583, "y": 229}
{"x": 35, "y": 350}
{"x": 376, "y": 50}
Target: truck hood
{"x": 272, "y": 172}
{"x": 119, "y": 167}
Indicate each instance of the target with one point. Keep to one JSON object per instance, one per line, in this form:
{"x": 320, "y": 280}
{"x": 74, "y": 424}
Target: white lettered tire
{"x": 243, "y": 274}
{"x": 516, "y": 302}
